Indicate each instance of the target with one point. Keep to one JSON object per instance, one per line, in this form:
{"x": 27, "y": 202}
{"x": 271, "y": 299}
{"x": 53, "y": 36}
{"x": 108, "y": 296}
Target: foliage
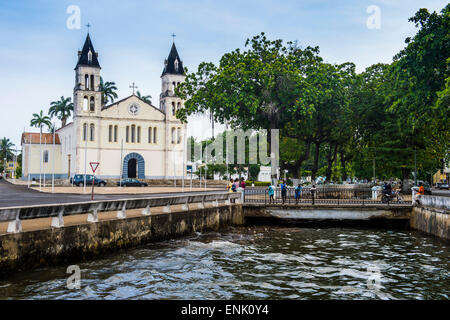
{"x": 62, "y": 109}
{"x": 108, "y": 90}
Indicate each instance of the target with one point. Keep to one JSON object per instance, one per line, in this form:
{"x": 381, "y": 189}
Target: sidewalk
{"x": 123, "y": 190}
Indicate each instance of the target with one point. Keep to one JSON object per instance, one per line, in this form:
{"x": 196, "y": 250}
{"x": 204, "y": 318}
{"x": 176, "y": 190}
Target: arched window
{"x": 91, "y": 132}
{"x": 92, "y": 83}
{"x": 86, "y": 82}
{"x": 173, "y": 108}
{"x": 89, "y": 56}
{"x": 138, "y": 134}
{"x": 178, "y": 105}
{"x": 179, "y": 135}
{"x": 133, "y": 133}
{"x": 127, "y": 134}
{"x": 149, "y": 134}
{"x": 173, "y": 135}
{"x": 45, "y": 156}
{"x": 85, "y": 103}
{"x": 154, "y": 135}
{"x": 110, "y": 129}
{"x": 92, "y": 105}
{"x": 176, "y": 64}
{"x": 84, "y": 132}
{"x": 115, "y": 133}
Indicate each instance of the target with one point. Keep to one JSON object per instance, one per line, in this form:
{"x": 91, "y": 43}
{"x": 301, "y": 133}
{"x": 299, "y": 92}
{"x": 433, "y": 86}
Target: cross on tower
{"x": 88, "y": 26}
{"x": 133, "y": 86}
{"x": 173, "y": 36}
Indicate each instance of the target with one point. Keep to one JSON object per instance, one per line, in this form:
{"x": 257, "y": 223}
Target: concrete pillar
{"x": 146, "y": 210}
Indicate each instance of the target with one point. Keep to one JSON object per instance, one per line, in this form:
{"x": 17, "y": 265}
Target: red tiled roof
{"x": 34, "y": 138}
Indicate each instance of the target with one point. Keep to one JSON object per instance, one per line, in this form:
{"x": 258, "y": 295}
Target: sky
{"x": 38, "y": 49}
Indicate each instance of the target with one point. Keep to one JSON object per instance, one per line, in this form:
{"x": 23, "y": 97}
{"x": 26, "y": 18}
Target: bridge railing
{"x": 14, "y": 215}
{"x": 322, "y": 195}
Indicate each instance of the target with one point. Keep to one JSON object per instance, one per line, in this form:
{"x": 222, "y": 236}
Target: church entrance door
{"x": 132, "y": 168}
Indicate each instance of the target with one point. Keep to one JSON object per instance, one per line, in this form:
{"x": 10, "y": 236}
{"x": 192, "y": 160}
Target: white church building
{"x": 129, "y": 138}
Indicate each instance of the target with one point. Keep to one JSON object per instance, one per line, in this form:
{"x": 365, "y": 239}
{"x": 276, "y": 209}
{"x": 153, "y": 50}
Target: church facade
{"x": 129, "y": 138}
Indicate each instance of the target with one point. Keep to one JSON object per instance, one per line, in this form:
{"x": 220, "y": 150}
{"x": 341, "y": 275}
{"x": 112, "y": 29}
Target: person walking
{"x": 242, "y": 184}
{"x": 283, "y": 191}
{"x": 230, "y": 185}
{"x": 271, "y": 191}
{"x": 298, "y": 193}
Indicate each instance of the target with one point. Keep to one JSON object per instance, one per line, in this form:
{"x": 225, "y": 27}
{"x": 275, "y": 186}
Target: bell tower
{"x": 87, "y": 94}
{"x": 172, "y": 75}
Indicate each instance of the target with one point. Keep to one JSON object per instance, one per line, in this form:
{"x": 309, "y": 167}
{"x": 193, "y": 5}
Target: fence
{"x": 14, "y": 215}
{"x": 321, "y": 195}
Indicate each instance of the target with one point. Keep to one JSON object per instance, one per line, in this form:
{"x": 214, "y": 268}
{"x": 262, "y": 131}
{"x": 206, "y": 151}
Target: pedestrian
{"x": 235, "y": 185}
{"x": 270, "y": 191}
{"x": 298, "y": 193}
{"x": 283, "y": 191}
{"x": 242, "y": 184}
{"x": 230, "y": 185}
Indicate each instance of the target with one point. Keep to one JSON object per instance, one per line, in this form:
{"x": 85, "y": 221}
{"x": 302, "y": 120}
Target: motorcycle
{"x": 392, "y": 196}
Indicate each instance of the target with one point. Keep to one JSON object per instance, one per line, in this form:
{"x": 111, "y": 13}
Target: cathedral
{"x": 129, "y": 138}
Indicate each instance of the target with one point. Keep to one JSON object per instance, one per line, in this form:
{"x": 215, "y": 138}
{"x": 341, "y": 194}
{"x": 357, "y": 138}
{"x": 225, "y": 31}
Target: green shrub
{"x": 257, "y": 183}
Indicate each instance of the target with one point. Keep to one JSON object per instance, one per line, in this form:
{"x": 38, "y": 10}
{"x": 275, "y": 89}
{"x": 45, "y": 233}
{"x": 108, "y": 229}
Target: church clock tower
{"x": 172, "y": 75}
{"x": 87, "y": 105}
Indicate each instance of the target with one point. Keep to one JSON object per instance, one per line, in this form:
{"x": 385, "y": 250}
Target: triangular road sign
{"x": 94, "y": 165}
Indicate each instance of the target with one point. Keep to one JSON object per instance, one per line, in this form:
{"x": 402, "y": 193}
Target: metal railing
{"x": 320, "y": 195}
{"x": 14, "y": 215}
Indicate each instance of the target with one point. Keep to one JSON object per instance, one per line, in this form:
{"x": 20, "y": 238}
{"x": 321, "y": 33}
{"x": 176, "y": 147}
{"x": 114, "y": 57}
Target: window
{"x": 115, "y": 133}
{"x": 85, "y": 103}
{"x": 110, "y": 133}
{"x": 138, "y": 134}
{"x": 173, "y": 108}
{"x": 149, "y": 134}
{"x": 89, "y": 56}
{"x": 173, "y": 135}
{"x": 179, "y": 135}
{"x": 86, "y": 82}
{"x": 45, "y": 157}
{"x": 84, "y": 132}
{"x": 176, "y": 64}
{"x": 92, "y": 83}
{"x": 92, "y": 132}
{"x": 133, "y": 133}
{"x": 92, "y": 105}
{"x": 154, "y": 135}
{"x": 178, "y": 105}
{"x": 127, "y": 134}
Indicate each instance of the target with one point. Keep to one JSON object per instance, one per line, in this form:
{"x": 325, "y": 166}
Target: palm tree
{"x": 108, "y": 90}
{"x": 39, "y": 119}
{"x": 146, "y": 99}
{"x": 6, "y": 150}
{"x": 62, "y": 109}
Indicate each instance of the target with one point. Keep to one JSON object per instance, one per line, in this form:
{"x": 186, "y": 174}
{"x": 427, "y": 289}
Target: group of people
{"x": 234, "y": 185}
{"x": 283, "y": 188}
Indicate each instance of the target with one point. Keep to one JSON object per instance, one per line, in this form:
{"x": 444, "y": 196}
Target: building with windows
{"x": 129, "y": 138}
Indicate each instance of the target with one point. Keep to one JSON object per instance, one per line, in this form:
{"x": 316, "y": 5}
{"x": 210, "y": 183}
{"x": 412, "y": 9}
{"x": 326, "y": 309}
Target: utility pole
{"x": 415, "y": 166}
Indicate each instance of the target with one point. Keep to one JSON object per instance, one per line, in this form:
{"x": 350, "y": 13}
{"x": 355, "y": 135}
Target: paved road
{"x": 442, "y": 193}
{"x": 14, "y": 195}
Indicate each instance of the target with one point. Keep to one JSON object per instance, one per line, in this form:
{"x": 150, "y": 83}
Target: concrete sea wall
{"x": 76, "y": 243}
{"x": 432, "y": 215}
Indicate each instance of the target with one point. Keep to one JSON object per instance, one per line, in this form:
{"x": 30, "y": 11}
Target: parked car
{"x": 78, "y": 180}
{"x": 442, "y": 186}
{"x": 131, "y": 182}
